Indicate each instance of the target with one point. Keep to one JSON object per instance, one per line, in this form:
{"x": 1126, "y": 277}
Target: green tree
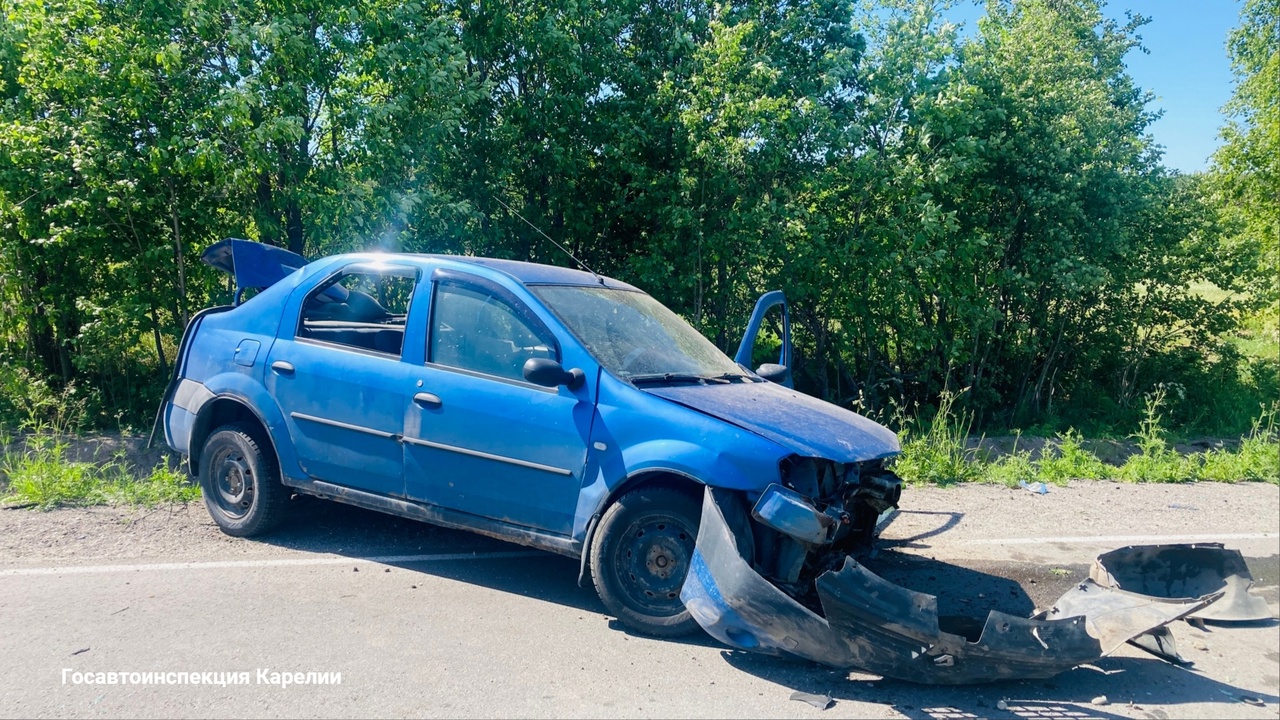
{"x": 1247, "y": 166}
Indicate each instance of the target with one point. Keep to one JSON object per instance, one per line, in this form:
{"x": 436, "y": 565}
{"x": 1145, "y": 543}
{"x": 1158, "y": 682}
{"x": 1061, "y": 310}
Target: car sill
{"x": 439, "y": 516}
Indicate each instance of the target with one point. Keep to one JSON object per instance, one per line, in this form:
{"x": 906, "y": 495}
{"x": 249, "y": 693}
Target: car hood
{"x": 801, "y": 423}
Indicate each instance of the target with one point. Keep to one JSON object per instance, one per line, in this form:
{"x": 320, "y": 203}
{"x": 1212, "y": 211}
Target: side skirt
{"x": 436, "y": 515}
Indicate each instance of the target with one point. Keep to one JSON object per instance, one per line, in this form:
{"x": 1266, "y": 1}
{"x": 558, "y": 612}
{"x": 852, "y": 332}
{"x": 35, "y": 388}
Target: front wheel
{"x": 640, "y": 556}
{"x": 239, "y": 482}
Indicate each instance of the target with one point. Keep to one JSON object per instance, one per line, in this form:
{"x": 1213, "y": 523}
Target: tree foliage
{"x": 944, "y": 210}
{"x": 1247, "y": 166}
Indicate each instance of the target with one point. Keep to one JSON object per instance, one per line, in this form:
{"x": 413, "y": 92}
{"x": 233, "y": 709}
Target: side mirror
{"x": 774, "y": 372}
{"x": 549, "y": 373}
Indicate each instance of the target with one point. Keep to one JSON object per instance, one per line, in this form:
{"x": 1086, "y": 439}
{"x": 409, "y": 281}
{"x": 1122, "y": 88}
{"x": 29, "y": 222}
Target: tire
{"x": 240, "y": 483}
{"x": 640, "y": 556}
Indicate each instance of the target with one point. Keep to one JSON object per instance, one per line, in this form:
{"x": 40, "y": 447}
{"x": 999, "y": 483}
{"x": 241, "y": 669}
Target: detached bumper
{"x": 871, "y": 624}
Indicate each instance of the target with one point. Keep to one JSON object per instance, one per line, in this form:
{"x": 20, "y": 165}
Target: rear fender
{"x": 254, "y": 396}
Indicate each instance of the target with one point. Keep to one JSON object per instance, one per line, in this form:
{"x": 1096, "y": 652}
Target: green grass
{"x": 1072, "y": 461}
{"x": 1011, "y": 469}
{"x": 42, "y": 475}
{"x": 936, "y": 453}
{"x": 1156, "y": 461}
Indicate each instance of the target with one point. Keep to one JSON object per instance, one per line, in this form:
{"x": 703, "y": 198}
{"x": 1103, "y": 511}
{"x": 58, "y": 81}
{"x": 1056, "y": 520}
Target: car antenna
{"x": 553, "y": 242}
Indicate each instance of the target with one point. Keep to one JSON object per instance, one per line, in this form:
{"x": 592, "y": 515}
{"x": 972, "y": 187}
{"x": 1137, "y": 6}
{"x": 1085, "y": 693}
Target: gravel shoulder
{"x": 986, "y": 521}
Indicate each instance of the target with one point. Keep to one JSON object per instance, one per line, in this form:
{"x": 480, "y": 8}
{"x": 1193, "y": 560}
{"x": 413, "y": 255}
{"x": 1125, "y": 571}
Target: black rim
{"x": 232, "y": 481}
{"x": 650, "y": 562}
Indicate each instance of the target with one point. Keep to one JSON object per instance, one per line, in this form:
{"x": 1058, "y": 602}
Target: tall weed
{"x": 42, "y": 474}
{"x": 28, "y": 403}
{"x": 935, "y": 452}
{"x": 1155, "y": 460}
{"x": 1071, "y": 462}
{"x": 1257, "y": 459}
{"x": 1011, "y": 469}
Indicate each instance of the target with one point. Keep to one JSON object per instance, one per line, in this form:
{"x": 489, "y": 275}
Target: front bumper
{"x": 871, "y": 624}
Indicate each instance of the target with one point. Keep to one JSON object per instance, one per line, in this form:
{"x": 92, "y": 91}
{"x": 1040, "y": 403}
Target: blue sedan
{"x": 541, "y": 405}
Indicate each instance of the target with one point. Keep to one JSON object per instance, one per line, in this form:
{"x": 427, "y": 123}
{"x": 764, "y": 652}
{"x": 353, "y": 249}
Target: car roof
{"x": 530, "y": 273}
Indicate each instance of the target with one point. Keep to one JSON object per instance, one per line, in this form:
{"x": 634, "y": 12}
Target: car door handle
{"x": 428, "y": 400}
{"x": 283, "y": 368}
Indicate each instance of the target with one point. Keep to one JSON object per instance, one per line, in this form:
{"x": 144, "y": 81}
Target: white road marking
{"x": 451, "y": 557}
{"x": 1130, "y": 539}
{"x": 277, "y": 562}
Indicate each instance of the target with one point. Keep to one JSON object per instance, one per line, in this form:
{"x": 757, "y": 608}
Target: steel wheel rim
{"x": 651, "y": 561}
{"x": 233, "y": 483}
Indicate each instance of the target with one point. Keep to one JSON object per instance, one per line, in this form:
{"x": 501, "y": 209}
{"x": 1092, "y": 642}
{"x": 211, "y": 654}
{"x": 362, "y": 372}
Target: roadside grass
{"x": 41, "y": 472}
{"x": 935, "y": 452}
{"x": 1016, "y": 467}
{"x": 43, "y": 475}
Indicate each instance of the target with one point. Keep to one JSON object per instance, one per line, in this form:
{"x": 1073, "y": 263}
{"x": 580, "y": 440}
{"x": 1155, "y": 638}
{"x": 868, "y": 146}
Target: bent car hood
{"x": 796, "y": 421}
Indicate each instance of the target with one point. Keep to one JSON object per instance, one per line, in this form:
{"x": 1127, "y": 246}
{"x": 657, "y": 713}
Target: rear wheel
{"x": 640, "y": 556}
{"x": 240, "y": 483}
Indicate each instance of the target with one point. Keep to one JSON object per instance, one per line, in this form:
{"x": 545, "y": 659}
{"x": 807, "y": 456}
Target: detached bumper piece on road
{"x": 1185, "y": 571}
{"x": 868, "y": 623}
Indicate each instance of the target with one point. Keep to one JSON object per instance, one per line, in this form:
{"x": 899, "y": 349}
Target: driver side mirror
{"x": 773, "y": 372}
{"x": 549, "y": 373}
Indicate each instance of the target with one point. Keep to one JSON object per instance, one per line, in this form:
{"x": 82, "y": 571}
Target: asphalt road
{"x": 422, "y": 621}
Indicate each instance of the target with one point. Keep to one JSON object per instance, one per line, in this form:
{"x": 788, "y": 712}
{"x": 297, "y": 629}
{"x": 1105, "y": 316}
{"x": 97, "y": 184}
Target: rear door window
{"x": 363, "y": 307}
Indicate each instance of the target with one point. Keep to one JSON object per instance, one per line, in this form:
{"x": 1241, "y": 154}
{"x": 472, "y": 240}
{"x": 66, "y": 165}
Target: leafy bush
{"x": 1011, "y": 469}
{"x": 1257, "y": 459}
{"x": 162, "y": 486}
{"x": 43, "y": 475}
{"x": 30, "y": 403}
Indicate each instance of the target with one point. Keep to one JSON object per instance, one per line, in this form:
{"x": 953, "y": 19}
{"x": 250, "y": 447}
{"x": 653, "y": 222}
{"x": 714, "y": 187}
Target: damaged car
{"x": 572, "y": 412}
{"x": 545, "y": 406}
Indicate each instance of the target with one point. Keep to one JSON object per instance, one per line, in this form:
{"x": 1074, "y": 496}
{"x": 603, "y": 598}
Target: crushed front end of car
{"x": 780, "y": 579}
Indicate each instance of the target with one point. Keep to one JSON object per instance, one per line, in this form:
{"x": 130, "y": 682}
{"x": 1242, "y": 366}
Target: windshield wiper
{"x": 662, "y": 378}
{"x": 731, "y": 377}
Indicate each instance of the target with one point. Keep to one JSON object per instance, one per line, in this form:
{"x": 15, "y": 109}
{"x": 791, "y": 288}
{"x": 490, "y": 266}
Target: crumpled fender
{"x": 871, "y": 624}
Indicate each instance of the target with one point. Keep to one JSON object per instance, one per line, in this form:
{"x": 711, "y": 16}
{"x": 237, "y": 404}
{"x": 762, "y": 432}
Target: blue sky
{"x": 1187, "y": 70}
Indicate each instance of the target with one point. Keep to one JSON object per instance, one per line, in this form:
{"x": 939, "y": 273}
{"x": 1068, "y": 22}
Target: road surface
{"x": 422, "y": 621}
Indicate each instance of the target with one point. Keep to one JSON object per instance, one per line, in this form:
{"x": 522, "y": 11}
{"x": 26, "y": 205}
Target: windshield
{"x": 636, "y": 337}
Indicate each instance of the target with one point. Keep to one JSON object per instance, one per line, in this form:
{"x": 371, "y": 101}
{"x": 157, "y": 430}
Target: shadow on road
{"x": 1123, "y": 680}
{"x": 952, "y": 519}
{"x": 321, "y": 526}
{"x": 325, "y": 527}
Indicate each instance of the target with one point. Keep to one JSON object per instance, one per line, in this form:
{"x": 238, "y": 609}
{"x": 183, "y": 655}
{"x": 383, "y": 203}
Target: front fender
{"x": 750, "y": 468}
{"x": 704, "y": 464}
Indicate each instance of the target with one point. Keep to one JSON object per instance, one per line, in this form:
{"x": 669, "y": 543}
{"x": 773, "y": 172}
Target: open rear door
{"x": 780, "y": 370}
